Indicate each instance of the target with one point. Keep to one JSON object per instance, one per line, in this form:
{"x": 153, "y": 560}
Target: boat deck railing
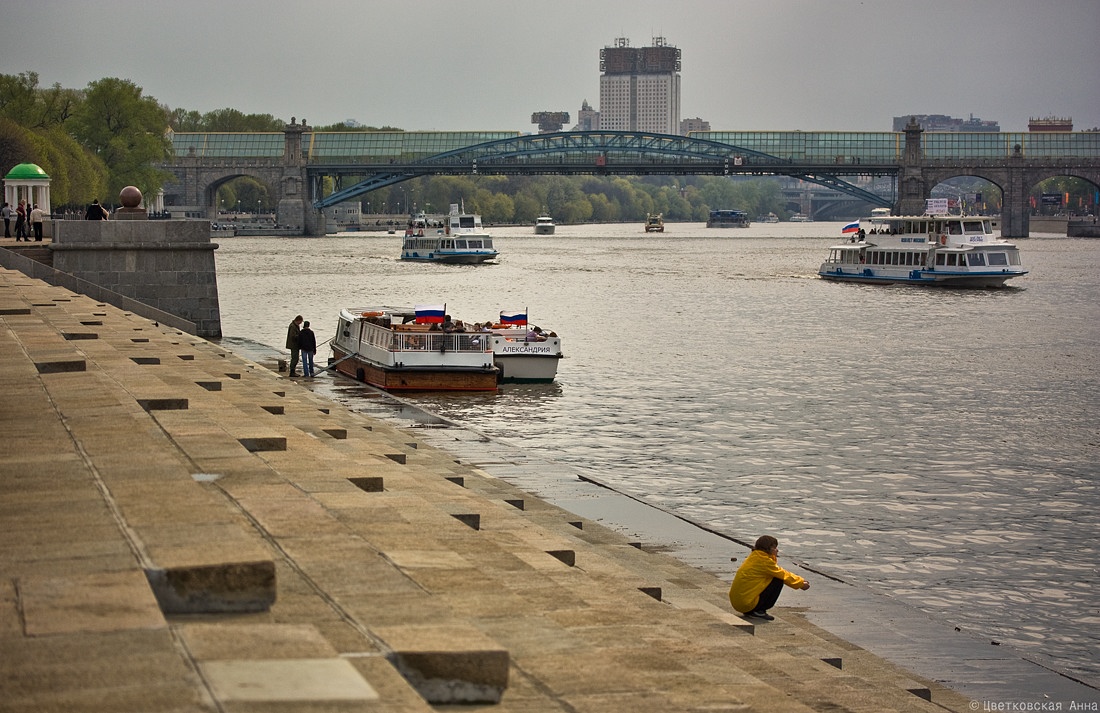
{"x": 439, "y": 342}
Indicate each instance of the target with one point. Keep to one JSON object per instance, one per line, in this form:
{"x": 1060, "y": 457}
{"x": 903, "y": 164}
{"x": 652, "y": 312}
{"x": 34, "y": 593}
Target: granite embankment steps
{"x": 184, "y": 530}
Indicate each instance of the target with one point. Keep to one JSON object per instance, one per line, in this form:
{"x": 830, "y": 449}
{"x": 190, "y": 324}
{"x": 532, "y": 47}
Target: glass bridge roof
{"x": 798, "y": 146}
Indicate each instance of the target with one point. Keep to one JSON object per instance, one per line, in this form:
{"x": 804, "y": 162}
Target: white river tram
{"x": 942, "y": 250}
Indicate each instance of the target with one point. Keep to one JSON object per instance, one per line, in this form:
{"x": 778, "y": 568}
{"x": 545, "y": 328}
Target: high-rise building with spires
{"x": 640, "y": 87}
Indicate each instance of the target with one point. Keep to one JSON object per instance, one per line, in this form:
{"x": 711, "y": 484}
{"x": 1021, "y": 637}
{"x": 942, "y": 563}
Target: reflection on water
{"x": 938, "y": 445}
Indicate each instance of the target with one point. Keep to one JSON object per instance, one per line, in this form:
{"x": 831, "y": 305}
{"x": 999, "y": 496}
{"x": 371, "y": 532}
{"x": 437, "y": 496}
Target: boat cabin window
{"x": 466, "y": 221}
{"x": 975, "y": 260}
{"x": 974, "y": 226}
{"x": 998, "y": 259}
{"x": 954, "y": 228}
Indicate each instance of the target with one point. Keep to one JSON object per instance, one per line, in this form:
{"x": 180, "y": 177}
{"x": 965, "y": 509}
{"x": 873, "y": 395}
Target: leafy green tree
{"x": 18, "y": 97}
{"x": 76, "y": 177}
{"x": 16, "y": 144}
{"x": 251, "y": 193}
{"x": 233, "y": 120}
{"x": 126, "y": 131}
{"x": 184, "y": 120}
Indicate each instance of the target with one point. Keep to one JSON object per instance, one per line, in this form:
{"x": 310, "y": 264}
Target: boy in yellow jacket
{"x": 760, "y": 579}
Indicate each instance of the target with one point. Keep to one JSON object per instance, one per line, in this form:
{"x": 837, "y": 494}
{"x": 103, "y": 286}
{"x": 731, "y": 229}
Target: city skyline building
{"x": 689, "y": 125}
{"x": 942, "y": 122}
{"x": 640, "y": 87}
{"x": 588, "y": 119}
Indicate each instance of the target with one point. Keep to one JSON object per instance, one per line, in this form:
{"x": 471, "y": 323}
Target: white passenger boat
{"x": 799, "y": 218}
{"x": 544, "y": 225}
{"x": 944, "y": 250}
{"x": 409, "y": 349}
{"x": 768, "y": 218}
{"x": 461, "y": 239}
{"x": 522, "y": 352}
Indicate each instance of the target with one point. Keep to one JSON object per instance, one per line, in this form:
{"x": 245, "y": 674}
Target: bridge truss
{"x": 599, "y": 153}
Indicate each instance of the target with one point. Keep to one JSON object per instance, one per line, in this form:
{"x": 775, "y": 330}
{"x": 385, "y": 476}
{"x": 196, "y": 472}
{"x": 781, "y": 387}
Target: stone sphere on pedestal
{"x": 130, "y": 197}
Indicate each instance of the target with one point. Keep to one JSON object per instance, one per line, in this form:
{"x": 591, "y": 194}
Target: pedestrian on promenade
{"x": 21, "y": 222}
{"x": 293, "y": 333}
{"x": 36, "y": 222}
{"x": 5, "y": 212}
{"x": 307, "y": 343}
{"x": 95, "y": 211}
{"x": 760, "y": 579}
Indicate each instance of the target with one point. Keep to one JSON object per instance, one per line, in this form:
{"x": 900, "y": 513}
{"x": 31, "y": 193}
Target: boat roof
{"x": 361, "y": 312}
{"x": 928, "y": 216}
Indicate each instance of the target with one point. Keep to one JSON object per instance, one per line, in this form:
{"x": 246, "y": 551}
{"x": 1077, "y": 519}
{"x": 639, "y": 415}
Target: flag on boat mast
{"x": 851, "y": 228}
{"x": 518, "y": 317}
{"x": 430, "y": 314}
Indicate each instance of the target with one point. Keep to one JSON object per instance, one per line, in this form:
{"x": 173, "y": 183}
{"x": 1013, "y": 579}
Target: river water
{"x": 940, "y": 446}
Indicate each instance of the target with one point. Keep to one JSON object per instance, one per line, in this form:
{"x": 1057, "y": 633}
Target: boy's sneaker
{"x": 760, "y": 614}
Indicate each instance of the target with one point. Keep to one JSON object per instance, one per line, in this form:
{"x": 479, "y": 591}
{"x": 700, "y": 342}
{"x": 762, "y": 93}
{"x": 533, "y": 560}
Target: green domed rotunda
{"x": 27, "y": 181}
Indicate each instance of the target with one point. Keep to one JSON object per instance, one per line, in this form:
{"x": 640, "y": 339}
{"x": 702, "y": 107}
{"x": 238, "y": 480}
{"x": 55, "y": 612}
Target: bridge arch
{"x": 598, "y": 152}
{"x": 215, "y": 182}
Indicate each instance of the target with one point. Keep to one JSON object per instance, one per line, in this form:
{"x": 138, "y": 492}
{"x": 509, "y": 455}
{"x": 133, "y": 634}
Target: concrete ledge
{"x": 60, "y": 366}
{"x": 219, "y": 588}
{"x": 448, "y": 664}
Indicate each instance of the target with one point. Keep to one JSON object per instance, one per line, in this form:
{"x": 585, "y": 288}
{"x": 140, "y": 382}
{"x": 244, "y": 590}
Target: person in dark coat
{"x": 307, "y": 342}
{"x": 95, "y": 211}
{"x": 21, "y": 222}
{"x": 293, "y": 332}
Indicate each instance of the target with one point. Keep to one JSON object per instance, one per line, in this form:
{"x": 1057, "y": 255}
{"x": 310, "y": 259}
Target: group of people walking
{"x": 23, "y": 217}
{"x": 302, "y": 343}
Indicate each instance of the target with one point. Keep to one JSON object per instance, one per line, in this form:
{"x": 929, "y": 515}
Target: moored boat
{"x": 522, "y": 352}
{"x": 799, "y": 218}
{"x": 943, "y": 250}
{"x": 544, "y": 225}
{"x": 411, "y": 349}
{"x": 728, "y": 219}
{"x": 654, "y": 223}
{"x": 461, "y": 239}
{"x": 768, "y": 218}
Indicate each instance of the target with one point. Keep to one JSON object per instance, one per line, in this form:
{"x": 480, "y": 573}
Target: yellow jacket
{"x": 753, "y": 576}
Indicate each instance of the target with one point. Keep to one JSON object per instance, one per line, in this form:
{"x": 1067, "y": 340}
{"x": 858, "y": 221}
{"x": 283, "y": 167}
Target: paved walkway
{"x": 184, "y": 530}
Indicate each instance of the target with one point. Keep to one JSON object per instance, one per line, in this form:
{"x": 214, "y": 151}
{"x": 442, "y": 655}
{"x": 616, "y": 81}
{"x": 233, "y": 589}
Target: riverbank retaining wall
{"x": 166, "y": 264}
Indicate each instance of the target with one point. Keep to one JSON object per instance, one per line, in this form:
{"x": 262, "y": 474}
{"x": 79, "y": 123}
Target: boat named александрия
{"x": 523, "y": 352}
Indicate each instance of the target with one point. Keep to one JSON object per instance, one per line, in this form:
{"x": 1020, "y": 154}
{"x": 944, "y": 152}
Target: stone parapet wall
{"x": 166, "y": 264}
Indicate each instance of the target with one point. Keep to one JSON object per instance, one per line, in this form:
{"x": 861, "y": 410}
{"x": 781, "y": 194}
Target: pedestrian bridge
{"x": 294, "y": 162}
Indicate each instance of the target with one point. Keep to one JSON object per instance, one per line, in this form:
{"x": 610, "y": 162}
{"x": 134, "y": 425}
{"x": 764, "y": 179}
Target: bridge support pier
{"x": 1016, "y": 212}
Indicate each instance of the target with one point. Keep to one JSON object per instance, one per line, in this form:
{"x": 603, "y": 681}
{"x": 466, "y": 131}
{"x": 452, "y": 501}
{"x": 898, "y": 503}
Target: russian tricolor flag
{"x": 851, "y": 228}
{"x": 430, "y": 314}
{"x": 514, "y": 317}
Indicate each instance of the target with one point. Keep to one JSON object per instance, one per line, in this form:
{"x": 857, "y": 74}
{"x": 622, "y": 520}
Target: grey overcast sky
{"x": 827, "y": 65}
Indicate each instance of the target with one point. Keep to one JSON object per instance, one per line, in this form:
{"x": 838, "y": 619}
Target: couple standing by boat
{"x": 302, "y": 343}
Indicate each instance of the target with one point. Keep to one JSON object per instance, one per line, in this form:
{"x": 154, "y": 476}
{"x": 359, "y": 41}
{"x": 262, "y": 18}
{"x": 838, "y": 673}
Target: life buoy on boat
{"x": 943, "y": 240}
{"x": 372, "y": 314}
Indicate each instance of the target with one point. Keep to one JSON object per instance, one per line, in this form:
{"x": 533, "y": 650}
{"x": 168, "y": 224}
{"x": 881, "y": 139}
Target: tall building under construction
{"x": 640, "y": 87}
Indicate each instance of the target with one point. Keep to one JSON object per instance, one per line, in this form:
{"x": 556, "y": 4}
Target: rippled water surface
{"x": 939, "y": 445}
